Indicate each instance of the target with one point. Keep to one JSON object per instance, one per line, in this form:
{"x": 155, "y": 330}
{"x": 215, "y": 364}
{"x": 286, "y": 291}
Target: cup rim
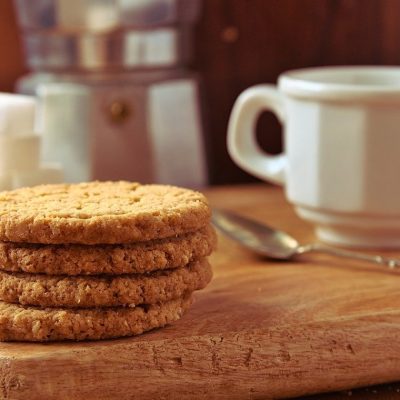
{"x": 332, "y": 83}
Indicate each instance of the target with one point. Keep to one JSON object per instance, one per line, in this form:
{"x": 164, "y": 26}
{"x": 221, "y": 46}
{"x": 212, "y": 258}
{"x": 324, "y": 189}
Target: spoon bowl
{"x": 261, "y": 238}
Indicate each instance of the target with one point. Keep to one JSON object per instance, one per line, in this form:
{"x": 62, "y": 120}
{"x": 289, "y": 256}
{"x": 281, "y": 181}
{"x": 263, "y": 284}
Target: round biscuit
{"x": 22, "y": 323}
{"x": 103, "y": 291}
{"x": 100, "y": 213}
{"x": 133, "y": 258}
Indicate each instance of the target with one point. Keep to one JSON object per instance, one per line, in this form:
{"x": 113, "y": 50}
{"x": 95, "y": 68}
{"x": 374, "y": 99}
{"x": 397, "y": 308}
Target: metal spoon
{"x": 276, "y": 244}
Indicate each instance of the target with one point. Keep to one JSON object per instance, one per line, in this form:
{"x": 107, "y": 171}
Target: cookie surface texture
{"x": 24, "y": 323}
{"x": 107, "y": 259}
{"x": 111, "y": 291}
{"x": 100, "y": 213}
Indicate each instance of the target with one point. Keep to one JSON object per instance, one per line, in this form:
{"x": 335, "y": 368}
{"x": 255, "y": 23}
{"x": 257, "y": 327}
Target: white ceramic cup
{"x": 341, "y": 159}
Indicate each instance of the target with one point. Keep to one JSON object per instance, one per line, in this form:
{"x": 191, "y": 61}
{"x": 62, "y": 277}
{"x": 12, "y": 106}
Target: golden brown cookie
{"x": 103, "y": 291}
{"x": 23, "y": 323}
{"x": 107, "y": 259}
{"x": 100, "y": 213}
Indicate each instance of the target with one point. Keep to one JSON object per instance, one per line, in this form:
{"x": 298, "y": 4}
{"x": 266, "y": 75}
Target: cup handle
{"x": 241, "y": 141}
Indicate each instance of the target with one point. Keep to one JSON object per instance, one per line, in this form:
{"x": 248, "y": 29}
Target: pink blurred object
{"x": 116, "y": 99}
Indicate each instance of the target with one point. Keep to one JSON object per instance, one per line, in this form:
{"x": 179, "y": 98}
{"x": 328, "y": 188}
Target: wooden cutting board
{"x": 261, "y": 330}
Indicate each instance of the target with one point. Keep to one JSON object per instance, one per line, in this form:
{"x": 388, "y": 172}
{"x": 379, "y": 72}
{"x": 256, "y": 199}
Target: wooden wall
{"x": 244, "y": 42}
{"x": 11, "y": 61}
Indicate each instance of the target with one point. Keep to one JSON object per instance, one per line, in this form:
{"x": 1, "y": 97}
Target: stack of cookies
{"x": 99, "y": 260}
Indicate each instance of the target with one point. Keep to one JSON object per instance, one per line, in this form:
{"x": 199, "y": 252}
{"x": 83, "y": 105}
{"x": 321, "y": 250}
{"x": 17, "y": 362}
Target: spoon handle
{"x": 391, "y": 263}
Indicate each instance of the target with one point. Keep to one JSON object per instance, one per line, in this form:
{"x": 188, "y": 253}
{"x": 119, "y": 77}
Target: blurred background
{"x": 142, "y": 90}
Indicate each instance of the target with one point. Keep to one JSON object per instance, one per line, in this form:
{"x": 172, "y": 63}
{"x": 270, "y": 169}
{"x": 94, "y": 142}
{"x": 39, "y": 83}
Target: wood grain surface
{"x": 261, "y": 330}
